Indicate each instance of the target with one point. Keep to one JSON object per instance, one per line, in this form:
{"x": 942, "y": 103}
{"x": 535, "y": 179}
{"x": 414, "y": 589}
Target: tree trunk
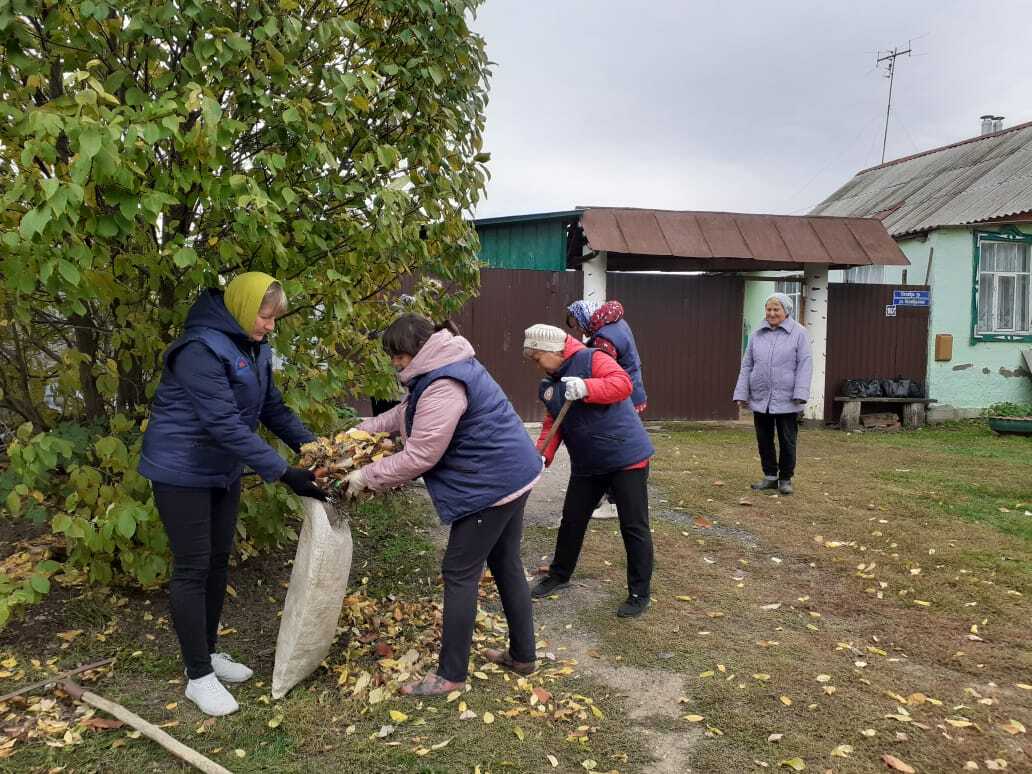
{"x": 87, "y": 343}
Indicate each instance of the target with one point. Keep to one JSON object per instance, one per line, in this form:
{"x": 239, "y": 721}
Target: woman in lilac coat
{"x": 775, "y": 384}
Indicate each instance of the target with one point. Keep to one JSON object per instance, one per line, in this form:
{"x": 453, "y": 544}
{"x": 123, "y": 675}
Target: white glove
{"x": 576, "y": 388}
{"x": 356, "y": 484}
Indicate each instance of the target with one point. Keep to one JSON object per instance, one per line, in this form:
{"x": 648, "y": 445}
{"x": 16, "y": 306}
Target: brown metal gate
{"x": 864, "y": 342}
{"x": 688, "y": 331}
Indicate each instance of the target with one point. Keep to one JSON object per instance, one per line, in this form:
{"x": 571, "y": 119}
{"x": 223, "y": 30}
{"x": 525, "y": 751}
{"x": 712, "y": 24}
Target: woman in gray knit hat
{"x": 774, "y": 383}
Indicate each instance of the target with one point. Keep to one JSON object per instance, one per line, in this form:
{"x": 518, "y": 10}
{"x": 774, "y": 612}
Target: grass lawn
{"x": 346, "y": 718}
{"x": 884, "y": 609}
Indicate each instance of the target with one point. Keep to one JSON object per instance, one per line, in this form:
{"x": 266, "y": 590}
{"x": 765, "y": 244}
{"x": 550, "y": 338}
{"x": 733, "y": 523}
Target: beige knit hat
{"x": 546, "y": 338}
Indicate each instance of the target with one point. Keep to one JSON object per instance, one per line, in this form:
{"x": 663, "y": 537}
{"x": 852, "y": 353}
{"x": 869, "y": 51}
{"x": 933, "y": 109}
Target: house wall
{"x": 980, "y": 373}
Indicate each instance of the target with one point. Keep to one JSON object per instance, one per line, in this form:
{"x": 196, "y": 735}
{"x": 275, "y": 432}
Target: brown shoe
{"x": 503, "y": 659}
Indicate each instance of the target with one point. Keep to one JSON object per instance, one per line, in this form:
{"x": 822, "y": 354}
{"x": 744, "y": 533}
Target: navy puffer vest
{"x": 601, "y": 438}
{"x": 490, "y": 454}
{"x": 620, "y": 334}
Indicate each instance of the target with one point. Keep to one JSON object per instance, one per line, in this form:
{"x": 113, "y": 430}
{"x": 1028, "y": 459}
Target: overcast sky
{"x": 745, "y": 105}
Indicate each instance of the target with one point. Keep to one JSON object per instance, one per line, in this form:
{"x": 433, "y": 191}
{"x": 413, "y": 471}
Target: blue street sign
{"x": 911, "y": 298}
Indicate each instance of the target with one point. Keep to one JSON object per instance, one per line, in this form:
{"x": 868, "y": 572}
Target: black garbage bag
{"x": 863, "y": 388}
{"x": 896, "y": 388}
{"x": 917, "y": 389}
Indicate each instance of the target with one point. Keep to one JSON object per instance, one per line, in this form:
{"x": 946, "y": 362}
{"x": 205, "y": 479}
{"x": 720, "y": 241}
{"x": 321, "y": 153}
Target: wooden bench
{"x": 914, "y": 410}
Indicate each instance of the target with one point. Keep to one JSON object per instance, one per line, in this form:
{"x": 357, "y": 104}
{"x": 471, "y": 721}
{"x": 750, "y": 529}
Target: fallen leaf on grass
{"x": 683, "y": 598}
{"x": 102, "y": 724}
{"x": 774, "y": 737}
{"x": 693, "y": 718}
{"x": 589, "y": 764}
{"x": 745, "y": 502}
{"x": 842, "y": 751}
{"x": 440, "y": 745}
{"x": 398, "y": 717}
{"x": 996, "y": 764}
{"x": 240, "y": 753}
{"x": 785, "y": 700}
{"x": 553, "y": 760}
{"x": 1013, "y": 727}
{"x": 1023, "y": 686}
{"x": 796, "y": 764}
{"x": 66, "y": 636}
{"x": 761, "y": 676}
{"x": 959, "y": 722}
{"x": 489, "y": 718}
{"x": 970, "y": 766}
{"x": 869, "y": 732}
{"x": 275, "y": 722}
{"x": 771, "y": 606}
{"x": 702, "y": 522}
{"x": 895, "y": 763}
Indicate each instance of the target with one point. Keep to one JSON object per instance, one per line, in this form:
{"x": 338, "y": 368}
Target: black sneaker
{"x": 633, "y": 607}
{"x": 767, "y": 483}
{"x": 785, "y": 486}
{"x": 548, "y": 585}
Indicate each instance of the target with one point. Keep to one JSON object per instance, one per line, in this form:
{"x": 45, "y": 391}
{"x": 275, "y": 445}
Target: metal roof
{"x": 529, "y": 218}
{"x": 739, "y": 241}
{"x": 973, "y": 181}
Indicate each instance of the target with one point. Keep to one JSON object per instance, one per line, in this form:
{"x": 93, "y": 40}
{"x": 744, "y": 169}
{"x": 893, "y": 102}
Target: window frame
{"x": 1009, "y": 236}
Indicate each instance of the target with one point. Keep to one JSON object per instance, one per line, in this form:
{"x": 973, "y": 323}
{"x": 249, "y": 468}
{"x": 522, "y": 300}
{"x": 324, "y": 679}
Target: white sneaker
{"x": 210, "y": 696}
{"x": 605, "y": 511}
{"x": 228, "y": 670}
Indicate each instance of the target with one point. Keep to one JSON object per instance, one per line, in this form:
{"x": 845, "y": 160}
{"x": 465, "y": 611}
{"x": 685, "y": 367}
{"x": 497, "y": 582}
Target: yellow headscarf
{"x": 244, "y": 297}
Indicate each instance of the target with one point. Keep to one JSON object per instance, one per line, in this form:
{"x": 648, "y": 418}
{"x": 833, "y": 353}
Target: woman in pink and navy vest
{"x": 466, "y": 441}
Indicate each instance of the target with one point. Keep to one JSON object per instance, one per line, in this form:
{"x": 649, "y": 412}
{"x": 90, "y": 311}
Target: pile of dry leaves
{"x": 333, "y": 458}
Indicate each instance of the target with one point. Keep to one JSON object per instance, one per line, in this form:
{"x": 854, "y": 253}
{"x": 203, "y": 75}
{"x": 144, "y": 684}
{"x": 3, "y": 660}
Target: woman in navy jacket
{"x": 216, "y": 386}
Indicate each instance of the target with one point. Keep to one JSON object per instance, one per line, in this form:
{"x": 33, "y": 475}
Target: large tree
{"x": 150, "y": 148}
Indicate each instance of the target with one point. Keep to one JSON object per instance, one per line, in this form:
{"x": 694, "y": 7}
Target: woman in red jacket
{"x": 609, "y": 451}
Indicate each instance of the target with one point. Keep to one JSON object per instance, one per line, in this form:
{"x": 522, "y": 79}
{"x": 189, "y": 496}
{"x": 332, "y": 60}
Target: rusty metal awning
{"x": 727, "y": 241}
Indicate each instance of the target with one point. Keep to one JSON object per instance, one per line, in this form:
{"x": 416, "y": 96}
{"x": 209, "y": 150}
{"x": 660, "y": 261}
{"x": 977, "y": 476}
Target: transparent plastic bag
{"x": 315, "y": 596}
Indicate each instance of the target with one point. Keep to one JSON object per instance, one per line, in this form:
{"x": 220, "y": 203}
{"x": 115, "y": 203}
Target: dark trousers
{"x": 200, "y": 524}
{"x": 787, "y": 426}
{"x": 492, "y": 535}
{"x": 629, "y": 489}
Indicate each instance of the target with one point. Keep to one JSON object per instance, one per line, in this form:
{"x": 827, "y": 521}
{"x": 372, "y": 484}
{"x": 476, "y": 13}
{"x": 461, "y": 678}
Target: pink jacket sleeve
{"x": 389, "y": 421}
{"x": 440, "y": 408}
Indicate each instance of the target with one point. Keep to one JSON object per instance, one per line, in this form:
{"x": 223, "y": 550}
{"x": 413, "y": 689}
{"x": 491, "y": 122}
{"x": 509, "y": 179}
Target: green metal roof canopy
{"x": 536, "y": 241}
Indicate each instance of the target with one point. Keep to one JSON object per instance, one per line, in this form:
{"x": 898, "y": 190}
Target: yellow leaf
{"x": 240, "y": 753}
{"x": 488, "y": 718}
{"x": 761, "y": 676}
{"x": 275, "y": 722}
{"x": 1013, "y": 727}
{"x": 66, "y": 636}
{"x": 823, "y": 678}
{"x": 553, "y": 760}
{"x": 480, "y": 675}
{"x": 959, "y": 722}
{"x": 869, "y": 732}
{"x": 421, "y": 751}
{"x": 796, "y": 764}
{"x": 454, "y": 695}
{"x": 398, "y": 717}
{"x": 440, "y": 745}
{"x": 683, "y": 598}
{"x": 842, "y": 751}
{"x": 707, "y": 673}
{"x": 12, "y": 662}
{"x": 693, "y": 718}
{"x": 785, "y": 700}
{"x": 589, "y": 764}
{"x": 596, "y": 712}
{"x": 519, "y": 733}
{"x": 1023, "y": 686}
{"x": 922, "y": 603}
{"x": 895, "y": 763}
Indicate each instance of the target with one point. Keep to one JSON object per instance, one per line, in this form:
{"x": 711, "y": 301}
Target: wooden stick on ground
{"x": 149, "y": 730}
{"x": 56, "y": 678}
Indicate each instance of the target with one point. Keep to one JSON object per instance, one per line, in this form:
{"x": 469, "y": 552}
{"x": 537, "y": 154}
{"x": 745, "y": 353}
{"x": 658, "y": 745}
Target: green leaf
{"x": 126, "y": 524}
{"x": 13, "y": 503}
{"x": 90, "y": 141}
{"x": 34, "y": 221}
{"x": 40, "y": 583}
{"x": 68, "y": 271}
{"x": 184, "y": 257}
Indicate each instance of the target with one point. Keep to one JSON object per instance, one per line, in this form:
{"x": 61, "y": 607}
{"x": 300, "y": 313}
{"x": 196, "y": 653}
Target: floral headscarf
{"x": 593, "y": 315}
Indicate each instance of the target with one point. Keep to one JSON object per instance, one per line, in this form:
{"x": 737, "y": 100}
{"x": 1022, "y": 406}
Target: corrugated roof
{"x": 976, "y": 180}
{"x": 720, "y": 236}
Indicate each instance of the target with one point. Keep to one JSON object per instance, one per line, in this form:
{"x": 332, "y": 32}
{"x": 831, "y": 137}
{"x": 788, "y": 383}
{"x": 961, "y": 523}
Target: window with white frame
{"x": 866, "y": 275}
{"x": 793, "y": 290}
{"x": 1004, "y": 287}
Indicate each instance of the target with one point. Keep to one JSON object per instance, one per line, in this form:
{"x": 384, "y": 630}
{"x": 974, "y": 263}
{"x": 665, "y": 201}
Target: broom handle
{"x": 555, "y": 425}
